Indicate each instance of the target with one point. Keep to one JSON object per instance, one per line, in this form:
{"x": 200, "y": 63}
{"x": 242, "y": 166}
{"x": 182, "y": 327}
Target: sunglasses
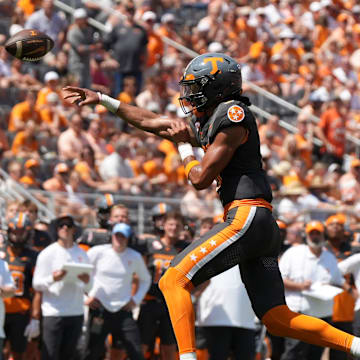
{"x": 68, "y": 224}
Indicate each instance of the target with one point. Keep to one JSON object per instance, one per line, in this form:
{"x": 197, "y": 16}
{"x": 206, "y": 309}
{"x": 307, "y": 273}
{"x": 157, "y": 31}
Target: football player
{"x": 154, "y": 318}
{"x": 224, "y": 126}
{"x": 22, "y": 310}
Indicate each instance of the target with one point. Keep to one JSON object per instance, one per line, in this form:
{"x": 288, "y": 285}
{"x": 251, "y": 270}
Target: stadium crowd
{"x": 306, "y": 52}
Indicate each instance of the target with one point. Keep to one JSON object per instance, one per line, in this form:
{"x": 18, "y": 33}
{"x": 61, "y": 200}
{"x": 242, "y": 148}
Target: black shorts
{"x": 154, "y": 320}
{"x": 15, "y": 325}
{"x": 249, "y": 238}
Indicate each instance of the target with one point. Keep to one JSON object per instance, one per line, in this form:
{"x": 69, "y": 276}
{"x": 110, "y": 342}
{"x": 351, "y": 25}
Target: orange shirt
{"x": 22, "y": 142}
{"x": 47, "y": 116}
{"x": 333, "y": 126}
{"x": 42, "y": 95}
{"x": 155, "y": 48}
{"x": 28, "y": 6}
{"x": 28, "y": 180}
{"x": 23, "y": 112}
{"x": 126, "y": 98}
{"x": 151, "y": 169}
{"x": 306, "y": 155}
{"x": 83, "y": 169}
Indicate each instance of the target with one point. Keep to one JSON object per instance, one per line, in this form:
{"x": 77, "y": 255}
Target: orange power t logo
{"x": 213, "y": 61}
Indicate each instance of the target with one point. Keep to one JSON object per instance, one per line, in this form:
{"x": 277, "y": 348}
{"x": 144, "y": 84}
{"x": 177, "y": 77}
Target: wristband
{"x": 110, "y": 103}
{"x": 185, "y": 150}
{"x": 189, "y": 166}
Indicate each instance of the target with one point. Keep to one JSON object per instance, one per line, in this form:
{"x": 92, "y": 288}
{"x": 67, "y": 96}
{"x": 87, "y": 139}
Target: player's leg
{"x": 265, "y": 288}
{"x": 148, "y": 325}
{"x": 217, "y": 251}
{"x": 168, "y": 348}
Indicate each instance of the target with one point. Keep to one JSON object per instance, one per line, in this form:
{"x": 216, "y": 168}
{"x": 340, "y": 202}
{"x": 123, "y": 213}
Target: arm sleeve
{"x": 144, "y": 280}
{"x": 43, "y": 278}
{"x": 349, "y": 265}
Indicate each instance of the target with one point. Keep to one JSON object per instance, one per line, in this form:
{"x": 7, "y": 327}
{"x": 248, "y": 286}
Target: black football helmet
{"x": 104, "y": 204}
{"x": 19, "y": 230}
{"x": 208, "y": 80}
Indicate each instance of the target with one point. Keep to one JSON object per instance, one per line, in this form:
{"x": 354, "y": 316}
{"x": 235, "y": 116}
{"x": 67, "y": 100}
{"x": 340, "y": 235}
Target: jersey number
{"x": 19, "y": 282}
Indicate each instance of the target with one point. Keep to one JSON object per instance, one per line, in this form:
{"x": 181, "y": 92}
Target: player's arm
{"x": 216, "y": 157}
{"x": 141, "y": 118}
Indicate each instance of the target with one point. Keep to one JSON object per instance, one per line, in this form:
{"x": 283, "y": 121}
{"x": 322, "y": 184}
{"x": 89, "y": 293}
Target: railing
{"x": 139, "y": 206}
{"x": 18, "y": 192}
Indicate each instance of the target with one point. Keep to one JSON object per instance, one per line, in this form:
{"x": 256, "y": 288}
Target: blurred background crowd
{"x": 58, "y": 158}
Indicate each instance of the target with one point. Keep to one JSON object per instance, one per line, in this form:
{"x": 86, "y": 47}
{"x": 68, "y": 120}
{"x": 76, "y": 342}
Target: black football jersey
{"x": 158, "y": 257}
{"x": 21, "y": 268}
{"x": 243, "y": 177}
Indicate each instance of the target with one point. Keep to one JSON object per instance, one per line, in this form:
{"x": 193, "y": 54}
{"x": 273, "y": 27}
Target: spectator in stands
{"x": 82, "y": 45}
{"x": 155, "y": 46}
{"x": 30, "y": 179}
{"x": 62, "y": 301}
{"x": 116, "y": 166}
{"x": 127, "y": 95}
{"x": 52, "y": 115}
{"x": 15, "y": 172}
{"x": 111, "y": 296}
{"x": 49, "y": 22}
{"x": 59, "y": 180}
{"x": 331, "y": 131}
{"x": 51, "y": 80}
{"x": 25, "y": 143}
{"x": 22, "y": 112}
{"x": 95, "y": 139}
{"x": 22, "y": 313}
{"x": 301, "y": 266}
{"x": 349, "y": 183}
{"x": 128, "y": 41}
{"x": 72, "y": 141}
{"x": 90, "y": 178}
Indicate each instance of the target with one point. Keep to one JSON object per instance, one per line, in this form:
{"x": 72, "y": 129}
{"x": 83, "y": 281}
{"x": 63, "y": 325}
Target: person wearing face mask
{"x": 301, "y": 267}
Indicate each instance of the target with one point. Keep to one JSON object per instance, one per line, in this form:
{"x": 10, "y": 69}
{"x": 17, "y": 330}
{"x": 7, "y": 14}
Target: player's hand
{"x": 179, "y": 131}
{"x": 92, "y": 302}
{"x": 85, "y": 278}
{"x": 80, "y": 96}
{"x": 129, "y": 306}
{"x": 32, "y": 330}
{"x": 58, "y": 274}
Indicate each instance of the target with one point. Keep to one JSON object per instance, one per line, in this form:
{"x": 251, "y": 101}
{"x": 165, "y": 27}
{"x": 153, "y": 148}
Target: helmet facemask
{"x": 192, "y": 94}
{"x": 18, "y": 238}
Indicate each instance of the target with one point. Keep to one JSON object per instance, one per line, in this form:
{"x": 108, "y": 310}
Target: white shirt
{"x": 225, "y": 302}
{"x": 115, "y": 166}
{"x": 299, "y": 264}
{"x": 351, "y": 265}
{"x": 5, "y": 280}
{"x": 59, "y": 298}
{"x": 113, "y": 275}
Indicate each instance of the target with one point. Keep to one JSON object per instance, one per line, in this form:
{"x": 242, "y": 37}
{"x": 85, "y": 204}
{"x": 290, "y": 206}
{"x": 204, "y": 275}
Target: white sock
{"x": 188, "y": 356}
{"x": 355, "y": 347}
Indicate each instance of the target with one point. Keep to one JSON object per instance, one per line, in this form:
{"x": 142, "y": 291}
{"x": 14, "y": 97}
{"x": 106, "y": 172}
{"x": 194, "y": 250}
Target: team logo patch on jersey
{"x": 236, "y": 113}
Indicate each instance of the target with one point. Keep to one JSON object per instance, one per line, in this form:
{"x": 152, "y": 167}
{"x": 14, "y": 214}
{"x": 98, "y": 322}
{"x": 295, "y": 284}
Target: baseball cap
{"x": 61, "y": 168}
{"x": 315, "y": 6}
{"x": 314, "y": 225}
{"x": 215, "y": 47}
{"x": 148, "y": 15}
{"x": 80, "y": 13}
{"x": 30, "y": 163}
{"x": 337, "y": 218}
{"x": 166, "y": 18}
{"x": 51, "y": 75}
{"x": 123, "y": 229}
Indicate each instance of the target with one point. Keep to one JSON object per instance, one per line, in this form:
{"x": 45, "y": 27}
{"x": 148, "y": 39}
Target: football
{"x": 29, "y": 45}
